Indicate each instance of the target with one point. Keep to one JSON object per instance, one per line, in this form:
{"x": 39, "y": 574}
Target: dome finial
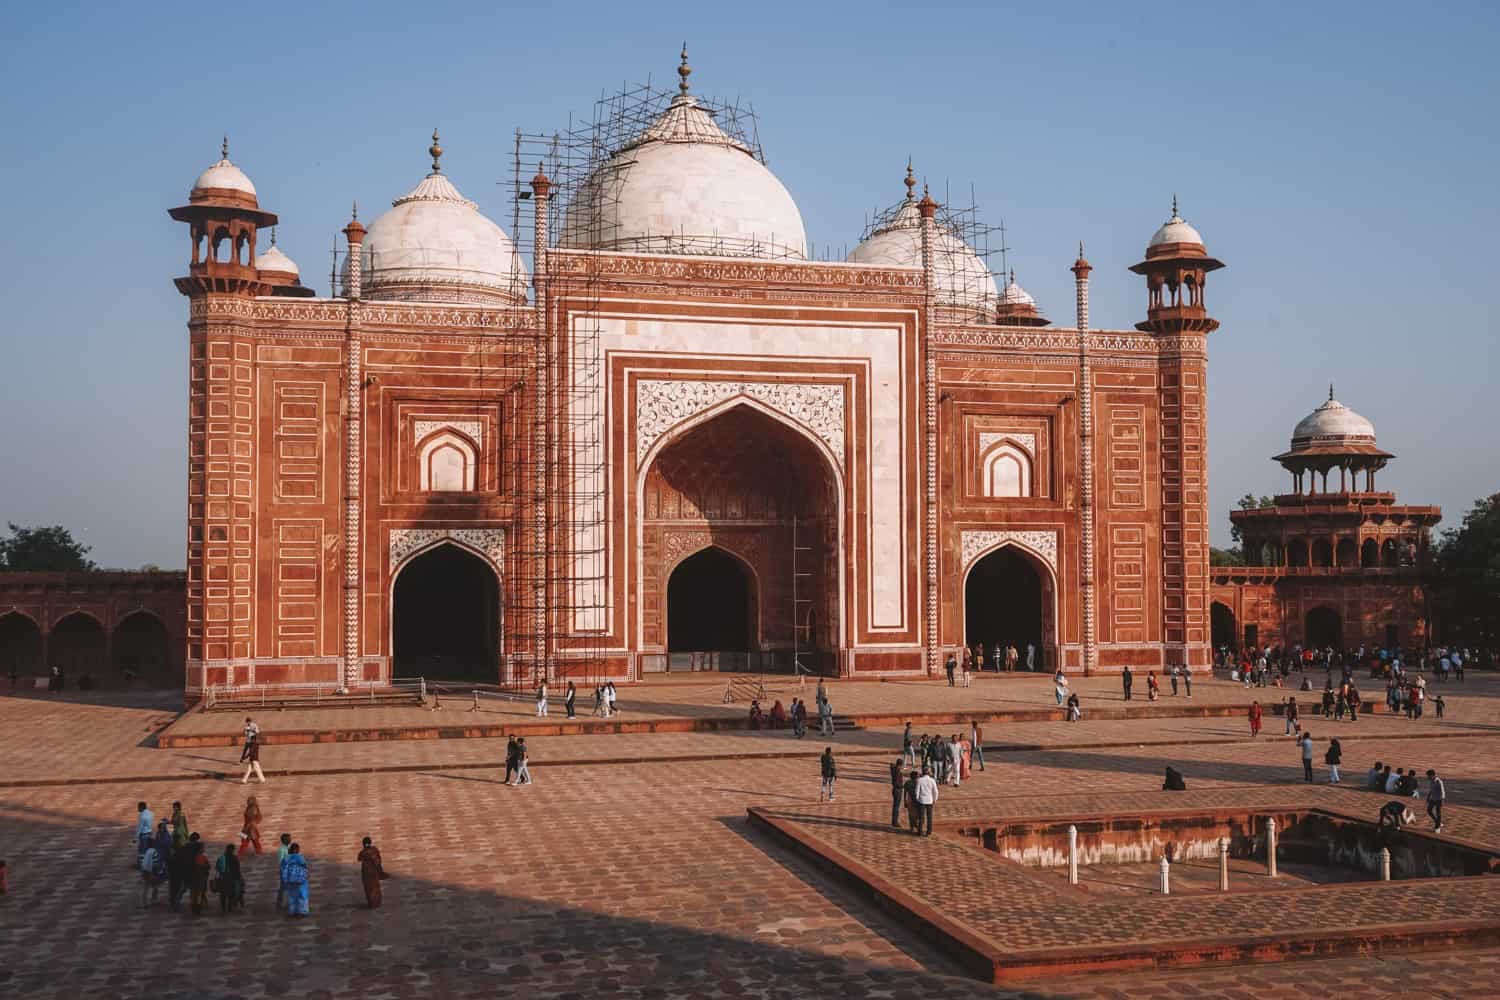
{"x": 273, "y": 236}
{"x": 910, "y": 182}
{"x": 1174, "y": 205}
{"x": 1330, "y": 392}
{"x": 354, "y": 212}
{"x": 436, "y": 152}
{"x": 224, "y": 149}
{"x": 683, "y": 72}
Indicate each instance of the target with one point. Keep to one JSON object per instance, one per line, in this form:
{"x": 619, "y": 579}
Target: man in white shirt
{"x": 927, "y": 796}
{"x": 145, "y": 826}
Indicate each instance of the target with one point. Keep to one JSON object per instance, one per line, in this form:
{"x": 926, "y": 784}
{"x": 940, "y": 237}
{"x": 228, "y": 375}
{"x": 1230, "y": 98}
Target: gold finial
{"x": 436, "y": 152}
{"x": 224, "y": 149}
{"x": 683, "y": 72}
{"x": 910, "y": 182}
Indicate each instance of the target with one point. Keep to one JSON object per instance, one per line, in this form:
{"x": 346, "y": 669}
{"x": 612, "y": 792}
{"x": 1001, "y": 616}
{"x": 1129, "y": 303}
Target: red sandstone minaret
{"x": 224, "y": 215}
{"x": 1176, "y": 267}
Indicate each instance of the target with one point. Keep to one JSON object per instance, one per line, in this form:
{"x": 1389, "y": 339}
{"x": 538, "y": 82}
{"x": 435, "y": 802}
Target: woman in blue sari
{"x": 294, "y": 876}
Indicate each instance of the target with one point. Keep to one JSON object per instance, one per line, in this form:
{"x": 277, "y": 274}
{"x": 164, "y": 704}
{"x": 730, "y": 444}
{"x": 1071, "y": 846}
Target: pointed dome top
{"x": 683, "y": 186}
{"x": 1174, "y": 230}
{"x": 434, "y": 245}
{"x": 1333, "y": 423}
{"x": 1014, "y": 294}
{"x": 222, "y": 176}
{"x": 272, "y": 260}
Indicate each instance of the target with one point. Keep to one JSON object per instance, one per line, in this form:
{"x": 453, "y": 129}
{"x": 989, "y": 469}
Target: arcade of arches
{"x": 1008, "y": 600}
{"x": 139, "y": 650}
{"x": 740, "y": 539}
{"x": 445, "y": 616}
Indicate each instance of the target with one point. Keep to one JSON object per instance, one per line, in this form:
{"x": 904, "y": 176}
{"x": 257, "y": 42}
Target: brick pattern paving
{"x": 632, "y": 880}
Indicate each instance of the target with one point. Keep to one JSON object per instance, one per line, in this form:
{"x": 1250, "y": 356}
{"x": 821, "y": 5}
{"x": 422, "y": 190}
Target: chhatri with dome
{"x": 622, "y": 422}
{"x": 1334, "y": 563}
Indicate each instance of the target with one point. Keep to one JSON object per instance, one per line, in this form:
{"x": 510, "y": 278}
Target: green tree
{"x": 42, "y": 550}
{"x": 1225, "y": 557}
{"x": 1468, "y": 557}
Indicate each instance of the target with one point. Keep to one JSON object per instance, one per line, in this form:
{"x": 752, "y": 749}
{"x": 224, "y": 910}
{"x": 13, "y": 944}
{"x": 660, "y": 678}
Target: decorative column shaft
{"x": 928, "y": 208}
{"x": 353, "y": 473}
{"x": 541, "y": 188}
{"x": 1081, "y": 269}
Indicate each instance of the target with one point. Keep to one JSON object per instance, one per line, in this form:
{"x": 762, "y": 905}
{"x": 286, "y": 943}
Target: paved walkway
{"x": 635, "y": 879}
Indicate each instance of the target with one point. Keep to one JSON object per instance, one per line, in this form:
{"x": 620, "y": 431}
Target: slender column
{"x": 1081, "y": 269}
{"x": 1271, "y": 846}
{"x": 928, "y": 209}
{"x": 1223, "y": 864}
{"x": 354, "y": 377}
{"x": 1165, "y": 870}
{"x": 541, "y": 188}
{"x": 1072, "y": 854}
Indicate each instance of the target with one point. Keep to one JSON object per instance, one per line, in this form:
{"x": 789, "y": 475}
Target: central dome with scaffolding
{"x": 685, "y": 186}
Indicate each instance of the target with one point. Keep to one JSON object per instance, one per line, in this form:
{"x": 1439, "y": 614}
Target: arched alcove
{"x": 445, "y": 616}
{"x": 141, "y": 647}
{"x": 1008, "y": 600}
{"x": 711, "y": 604}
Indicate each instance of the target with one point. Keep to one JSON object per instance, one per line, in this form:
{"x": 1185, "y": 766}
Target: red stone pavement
{"x": 639, "y": 879}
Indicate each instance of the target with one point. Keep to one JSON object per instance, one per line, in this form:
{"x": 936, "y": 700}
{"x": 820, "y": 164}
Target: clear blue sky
{"x": 1340, "y": 157}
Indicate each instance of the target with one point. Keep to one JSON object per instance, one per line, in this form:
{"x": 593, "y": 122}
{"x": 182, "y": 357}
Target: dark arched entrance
{"x": 1325, "y": 628}
{"x": 140, "y": 647}
{"x": 710, "y": 604}
{"x": 445, "y": 617}
{"x": 77, "y": 645}
{"x": 20, "y": 645}
{"x": 1007, "y": 601}
{"x": 1221, "y": 621}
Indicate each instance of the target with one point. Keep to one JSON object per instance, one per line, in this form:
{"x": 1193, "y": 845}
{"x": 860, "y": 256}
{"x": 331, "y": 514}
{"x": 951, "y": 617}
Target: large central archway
{"x": 740, "y": 545}
{"x": 1325, "y": 628}
{"x": 1008, "y": 600}
{"x": 445, "y": 617}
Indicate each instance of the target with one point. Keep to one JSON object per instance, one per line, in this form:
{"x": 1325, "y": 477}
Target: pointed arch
{"x": 447, "y": 462}
{"x": 1042, "y": 564}
{"x": 1006, "y": 470}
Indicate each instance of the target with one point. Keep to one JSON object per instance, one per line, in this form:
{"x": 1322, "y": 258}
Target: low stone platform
{"x": 1003, "y": 921}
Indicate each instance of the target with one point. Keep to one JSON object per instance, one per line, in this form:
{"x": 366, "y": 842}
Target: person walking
{"x": 153, "y": 869}
{"x": 569, "y": 699}
{"x": 512, "y": 758}
{"x": 541, "y": 700}
{"x": 908, "y": 754}
{"x": 180, "y": 871}
{"x": 523, "y": 763}
{"x": 913, "y": 811}
{"x": 295, "y": 874}
{"x": 251, "y": 730}
{"x": 250, "y": 757}
{"x": 1305, "y": 741}
{"x": 198, "y": 871}
{"x": 227, "y": 879}
{"x": 951, "y": 666}
{"x": 145, "y": 827}
{"x": 898, "y": 790}
{"x": 1187, "y": 680}
{"x": 250, "y": 832}
{"x": 282, "y": 850}
{"x": 1172, "y": 676}
{"x": 830, "y": 774}
{"x": 1256, "y": 713}
{"x": 927, "y": 796}
{"x": 1436, "y": 793}
{"x": 1333, "y": 757}
{"x": 180, "y": 831}
{"x": 955, "y": 760}
{"x": 1292, "y": 722}
{"x": 1126, "y": 680}
{"x": 371, "y": 872}
{"x": 1060, "y": 687}
{"x": 825, "y": 718}
{"x": 976, "y": 738}
{"x": 610, "y": 698}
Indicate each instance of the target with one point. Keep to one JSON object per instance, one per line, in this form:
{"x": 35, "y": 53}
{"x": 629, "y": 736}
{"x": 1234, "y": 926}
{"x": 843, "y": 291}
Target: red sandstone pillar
{"x": 353, "y": 402}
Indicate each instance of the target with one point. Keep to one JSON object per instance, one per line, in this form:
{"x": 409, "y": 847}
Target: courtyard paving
{"x": 629, "y": 867}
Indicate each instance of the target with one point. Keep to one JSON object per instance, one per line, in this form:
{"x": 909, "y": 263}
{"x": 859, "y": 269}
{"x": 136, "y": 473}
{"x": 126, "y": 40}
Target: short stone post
{"x": 1223, "y": 864}
{"x": 1072, "y": 854}
{"x": 1271, "y": 846}
{"x": 1166, "y": 876}
{"x": 1385, "y": 864}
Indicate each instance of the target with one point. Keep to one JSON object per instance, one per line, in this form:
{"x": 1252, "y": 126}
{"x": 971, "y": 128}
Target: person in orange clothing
{"x": 371, "y": 872}
{"x": 250, "y": 832}
{"x": 1255, "y": 716}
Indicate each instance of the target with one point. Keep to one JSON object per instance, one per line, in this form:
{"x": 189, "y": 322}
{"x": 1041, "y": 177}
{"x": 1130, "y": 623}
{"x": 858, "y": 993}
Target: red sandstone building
{"x": 1334, "y": 562}
{"x": 664, "y": 438}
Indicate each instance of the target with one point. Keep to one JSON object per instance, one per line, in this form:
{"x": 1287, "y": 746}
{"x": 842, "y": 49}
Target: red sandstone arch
{"x": 140, "y": 645}
{"x": 1047, "y": 578}
{"x": 738, "y": 476}
{"x": 77, "y": 644}
{"x": 20, "y": 645}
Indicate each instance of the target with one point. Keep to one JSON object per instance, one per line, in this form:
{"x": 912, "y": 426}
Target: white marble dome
{"x": 963, "y": 280}
{"x": 222, "y": 176}
{"x": 273, "y": 261}
{"x": 1014, "y": 295}
{"x": 1174, "y": 230}
{"x": 684, "y": 186}
{"x": 1333, "y": 423}
{"x": 433, "y": 245}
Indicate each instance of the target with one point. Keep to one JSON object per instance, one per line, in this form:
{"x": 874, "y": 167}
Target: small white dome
{"x": 224, "y": 176}
{"x": 1014, "y": 295}
{"x": 963, "y": 280}
{"x": 433, "y": 245}
{"x": 1174, "y": 230}
{"x": 276, "y": 262}
{"x": 685, "y": 187}
{"x": 1333, "y": 423}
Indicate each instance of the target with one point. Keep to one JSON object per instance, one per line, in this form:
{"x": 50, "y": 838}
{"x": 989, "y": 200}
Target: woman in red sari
{"x": 250, "y": 832}
{"x": 370, "y": 873}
